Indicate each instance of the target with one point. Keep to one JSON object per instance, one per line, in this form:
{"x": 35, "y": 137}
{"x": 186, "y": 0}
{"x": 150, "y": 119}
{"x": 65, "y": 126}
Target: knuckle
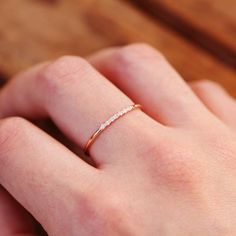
{"x": 179, "y": 173}
{"x": 172, "y": 164}
{"x": 61, "y": 72}
{"x": 113, "y": 214}
{"x": 107, "y": 207}
{"x": 140, "y": 48}
{"x": 66, "y": 64}
{"x": 205, "y": 84}
{"x": 139, "y": 51}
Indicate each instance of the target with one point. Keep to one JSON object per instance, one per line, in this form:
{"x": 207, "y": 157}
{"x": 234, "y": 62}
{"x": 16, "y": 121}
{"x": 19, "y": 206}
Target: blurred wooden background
{"x": 197, "y": 36}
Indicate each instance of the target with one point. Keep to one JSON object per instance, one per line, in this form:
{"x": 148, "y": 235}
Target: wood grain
{"x": 35, "y": 31}
{"x": 211, "y": 24}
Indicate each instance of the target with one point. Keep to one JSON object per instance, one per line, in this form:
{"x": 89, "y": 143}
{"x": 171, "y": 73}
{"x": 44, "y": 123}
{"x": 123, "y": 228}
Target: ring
{"x": 107, "y": 123}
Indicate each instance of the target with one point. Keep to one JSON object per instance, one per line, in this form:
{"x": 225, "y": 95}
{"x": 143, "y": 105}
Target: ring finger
{"x": 146, "y": 77}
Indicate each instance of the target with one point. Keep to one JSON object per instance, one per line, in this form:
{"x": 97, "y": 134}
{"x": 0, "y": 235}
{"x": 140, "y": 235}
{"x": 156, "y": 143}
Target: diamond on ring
{"x": 108, "y": 122}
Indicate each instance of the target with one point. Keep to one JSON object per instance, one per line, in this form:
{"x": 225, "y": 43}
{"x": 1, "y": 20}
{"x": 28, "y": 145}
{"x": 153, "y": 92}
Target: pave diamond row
{"x": 104, "y": 125}
{"x": 117, "y": 116}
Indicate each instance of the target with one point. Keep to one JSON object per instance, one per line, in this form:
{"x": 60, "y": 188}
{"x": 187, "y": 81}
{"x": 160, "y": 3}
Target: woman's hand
{"x": 167, "y": 170}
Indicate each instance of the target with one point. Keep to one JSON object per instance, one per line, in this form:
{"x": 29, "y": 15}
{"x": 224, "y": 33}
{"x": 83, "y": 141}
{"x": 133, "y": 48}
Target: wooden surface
{"x": 210, "y": 24}
{"x": 196, "y": 36}
{"x": 214, "y": 18}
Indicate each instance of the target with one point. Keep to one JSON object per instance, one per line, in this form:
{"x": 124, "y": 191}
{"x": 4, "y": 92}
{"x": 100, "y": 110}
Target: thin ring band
{"x": 107, "y": 123}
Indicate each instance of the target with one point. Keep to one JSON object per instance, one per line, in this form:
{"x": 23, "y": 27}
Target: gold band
{"x": 107, "y": 123}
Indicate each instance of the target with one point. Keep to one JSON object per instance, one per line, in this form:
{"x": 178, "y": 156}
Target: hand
{"x": 169, "y": 169}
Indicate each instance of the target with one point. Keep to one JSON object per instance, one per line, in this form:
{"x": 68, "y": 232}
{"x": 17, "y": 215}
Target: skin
{"x": 169, "y": 169}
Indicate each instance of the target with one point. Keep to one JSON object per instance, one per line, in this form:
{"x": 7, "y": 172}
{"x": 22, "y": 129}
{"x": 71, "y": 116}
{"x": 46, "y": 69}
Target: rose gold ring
{"x": 107, "y": 123}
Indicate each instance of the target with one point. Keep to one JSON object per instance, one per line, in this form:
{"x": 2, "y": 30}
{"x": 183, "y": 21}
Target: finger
{"x": 78, "y": 99}
{"x": 40, "y": 173}
{"x": 146, "y": 77}
{"x": 216, "y": 99}
{"x": 14, "y": 219}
